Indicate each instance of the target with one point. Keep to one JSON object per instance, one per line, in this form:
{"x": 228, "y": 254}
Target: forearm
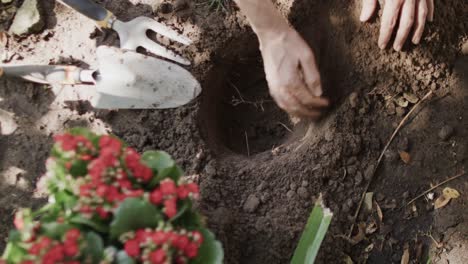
{"x": 263, "y": 16}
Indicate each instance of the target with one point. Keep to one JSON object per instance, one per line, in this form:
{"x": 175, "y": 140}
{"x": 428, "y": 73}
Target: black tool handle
{"x": 89, "y": 8}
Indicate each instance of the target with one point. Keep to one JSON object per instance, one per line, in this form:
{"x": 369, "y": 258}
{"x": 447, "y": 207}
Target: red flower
{"x": 85, "y": 190}
{"x": 113, "y": 194}
{"x": 102, "y": 190}
{"x": 142, "y": 172}
{"x": 72, "y": 235}
{"x": 134, "y": 193}
{"x": 158, "y": 256}
{"x": 85, "y": 209}
{"x": 45, "y": 242}
{"x": 55, "y": 254}
{"x": 132, "y": 247}
{"x": 83, "y": 142}
{"x": 182, "y": 192}
{"x": 156, "y": 197}
{"x": 131, "y": 157}
{"x": 108, "y": 157}
{"x": 197, "y": 237}
{"x": 170, "y": 206}
{"x": 108, "y": 142}
{"x": 18, "y": 221}
{"x": 181, "y": 242}
{"x": 95, "y": 170}
{"x": 193, "y": 188}
{"x": 35, "y": 249}
{"x": 103, "y": 214}
{"x": 180, "y": 260}
{"x": 142, "y": 235}
{"x": 71, "y": 248}
{"x": 124, "y": 184}
{"x": 160, "y": 237}
{"x": 191, "y": 251}
{"x": 67, "y": 141}
{"x": 168, "y": 187}
{"x": 22, "y": 262}
{"x": 86, "y": 157}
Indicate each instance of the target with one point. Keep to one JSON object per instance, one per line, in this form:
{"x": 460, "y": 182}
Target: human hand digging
{"x": 411, "y": 14}
{"x": 290, "y": 67}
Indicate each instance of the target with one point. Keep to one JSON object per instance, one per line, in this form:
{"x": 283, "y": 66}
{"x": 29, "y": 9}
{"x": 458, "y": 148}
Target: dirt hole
{"x": 244, "y": 119}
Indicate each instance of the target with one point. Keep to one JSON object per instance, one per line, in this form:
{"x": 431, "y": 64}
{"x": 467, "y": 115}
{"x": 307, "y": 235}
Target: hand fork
{"x": 132, "y": 34}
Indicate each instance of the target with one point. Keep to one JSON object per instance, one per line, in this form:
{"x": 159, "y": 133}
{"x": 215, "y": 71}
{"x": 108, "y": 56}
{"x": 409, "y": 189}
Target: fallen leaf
{"x": 368, "y": 201}
{"x": 450, "y": 193}
{"x": 411, "y": 97}
{"x": 405, "y": 256}
{"x": 369, "y": 248}
{"x": 401, "y": 101}
{"x": 371, "y": 228}
{"x": 379, "y": 212}
{"x": 348, "y": 260}
{"x": 3, "y": 39}
{"x": 441, "y": 202}
{"x": 360, "y": 235}
{"x": 405, "y": 157}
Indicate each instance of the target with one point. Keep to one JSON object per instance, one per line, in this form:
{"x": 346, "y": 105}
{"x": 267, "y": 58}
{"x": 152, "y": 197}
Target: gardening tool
{"x": 132, "y": 34}
{"x": 124, "y": 79}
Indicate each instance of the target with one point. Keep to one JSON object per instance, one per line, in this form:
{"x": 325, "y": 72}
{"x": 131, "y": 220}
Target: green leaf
{"x": 186, "y": 205}
{"x": 66, "y": 199}
{"x": 123, "y": 258}
{"x": 79, "y": 168}
{"x": 14, "y": 236}
{"x": 211, "y": 251}
{"x": 189, "y": 220}
{"x": 97, "y": 226}
{"x": 14, "y": 253}
{"x": 55, "y": 230}
{"x": 133, "y": 214}
{"x": 313, "y": 235}
{"x": 159, "y": 161}
{"x": 94, "y": 248}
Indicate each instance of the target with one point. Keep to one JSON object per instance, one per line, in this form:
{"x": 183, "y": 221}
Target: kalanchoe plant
{"x": 109, "y": 204}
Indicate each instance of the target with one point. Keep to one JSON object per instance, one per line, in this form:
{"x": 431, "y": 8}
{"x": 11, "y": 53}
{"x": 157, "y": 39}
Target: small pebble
{"x": 369, "y": 172}
{"x": 446, "y": 132}
{"x": 353, "y": 99}
{"x": 305, "y": 183}
{"x": 293, "y": 187}
{"x": 358, "y": 179}
{"x": 251, "y": 204}
{"x": 290, "y": 194}
{"x": 303, "y": 193}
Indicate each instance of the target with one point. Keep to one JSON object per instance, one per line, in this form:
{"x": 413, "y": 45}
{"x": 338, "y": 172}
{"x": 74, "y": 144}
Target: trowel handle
{"x": 89, "y": 8}
{"x": 49, "y": 74}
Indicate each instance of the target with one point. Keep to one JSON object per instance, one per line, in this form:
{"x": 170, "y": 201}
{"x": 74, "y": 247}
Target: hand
{"x": 411, "y": 13}
{"x": 292, "y": 73}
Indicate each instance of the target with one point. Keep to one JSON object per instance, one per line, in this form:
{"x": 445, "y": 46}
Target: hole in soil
{"x": 238, "y": 112}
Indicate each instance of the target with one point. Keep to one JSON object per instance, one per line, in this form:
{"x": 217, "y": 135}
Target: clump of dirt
{"x": 257, "y": 198}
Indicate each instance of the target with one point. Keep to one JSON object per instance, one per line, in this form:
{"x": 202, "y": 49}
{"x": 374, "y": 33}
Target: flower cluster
{"x": 109, "y": 203}
{"x": 163, "y": 246}
{"x": 49, "y": 251}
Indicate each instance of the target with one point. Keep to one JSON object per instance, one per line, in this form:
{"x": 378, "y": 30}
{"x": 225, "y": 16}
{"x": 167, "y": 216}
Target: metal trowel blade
{"x": 132, "y": 80}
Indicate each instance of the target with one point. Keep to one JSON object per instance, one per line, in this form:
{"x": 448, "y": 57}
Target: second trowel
{"x": 122, "y": 80}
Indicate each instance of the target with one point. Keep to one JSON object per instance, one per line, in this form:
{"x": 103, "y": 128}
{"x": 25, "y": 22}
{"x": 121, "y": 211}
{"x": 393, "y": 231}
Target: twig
{"x": 403, "y": 121}
{"x": 287, "y": 128}
{"x": 247, "y": 143}
{"x": 435, "y": 187}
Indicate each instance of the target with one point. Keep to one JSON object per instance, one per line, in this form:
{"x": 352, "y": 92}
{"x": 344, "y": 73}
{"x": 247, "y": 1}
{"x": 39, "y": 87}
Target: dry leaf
{"x": 405, "y": 257}
{"x": 371, "y": 228}
{"x": 368, "y": 201}
{"x": 450, "y": 193}
{"x": 401, "y": 101}
{"x": 360, "y": 235}
{"x": 369, "y": 248}
{"x": 405, "y": 157}
{"x": 441, "y": 202}
{"x": 3, "y": 39}
{"x": 379, "y": 211}
{"x": 348, "y": 260}
{"x": 411, "y": 97}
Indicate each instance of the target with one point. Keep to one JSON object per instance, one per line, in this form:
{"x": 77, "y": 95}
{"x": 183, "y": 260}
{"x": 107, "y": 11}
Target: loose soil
{"x": 260, "y": 172}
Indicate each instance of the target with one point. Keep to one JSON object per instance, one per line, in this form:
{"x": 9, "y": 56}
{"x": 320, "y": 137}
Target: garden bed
{"x": 259, "y": 171}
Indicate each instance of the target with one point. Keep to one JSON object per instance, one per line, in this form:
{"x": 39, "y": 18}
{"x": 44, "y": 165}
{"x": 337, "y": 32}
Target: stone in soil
{"x": 28, "y": 19}
{"x": 445, "y": 132}
{"x": 251, "y": 204}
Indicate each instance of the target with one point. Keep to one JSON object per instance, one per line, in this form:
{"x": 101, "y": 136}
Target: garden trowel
{"x": 122, "y": 80}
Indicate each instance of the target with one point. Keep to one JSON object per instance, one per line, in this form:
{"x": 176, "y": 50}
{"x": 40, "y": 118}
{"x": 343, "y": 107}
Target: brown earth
{"x": 259, "y": 171}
